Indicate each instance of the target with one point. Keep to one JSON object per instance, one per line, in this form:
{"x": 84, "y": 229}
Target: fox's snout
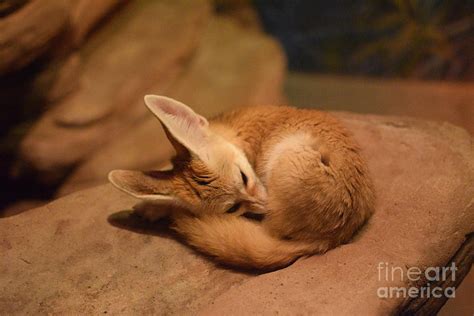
{"x": 256, "y": 199}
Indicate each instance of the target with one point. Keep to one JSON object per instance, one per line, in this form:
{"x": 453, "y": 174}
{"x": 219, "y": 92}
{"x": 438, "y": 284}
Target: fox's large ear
{"x": 181, "y": 123}
{"x": 154, "y": 186}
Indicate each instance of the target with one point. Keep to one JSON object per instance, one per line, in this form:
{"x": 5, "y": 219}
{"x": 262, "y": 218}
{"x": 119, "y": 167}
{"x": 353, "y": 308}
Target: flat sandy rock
{"x": 85, "y": 253}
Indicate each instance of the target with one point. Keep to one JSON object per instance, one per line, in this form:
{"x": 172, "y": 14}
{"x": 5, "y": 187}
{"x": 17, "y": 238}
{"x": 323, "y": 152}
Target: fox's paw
{"x": 150, "y": 212}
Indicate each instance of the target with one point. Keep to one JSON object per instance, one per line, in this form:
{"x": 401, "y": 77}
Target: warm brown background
{"x": 73, "y": 74}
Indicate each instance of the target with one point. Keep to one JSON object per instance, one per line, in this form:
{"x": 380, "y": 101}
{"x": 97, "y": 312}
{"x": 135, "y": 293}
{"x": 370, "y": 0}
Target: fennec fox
{"x": 298, "y": 168}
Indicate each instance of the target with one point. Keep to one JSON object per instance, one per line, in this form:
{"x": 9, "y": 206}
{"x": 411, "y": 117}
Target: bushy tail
{"x": 240, "y": 242}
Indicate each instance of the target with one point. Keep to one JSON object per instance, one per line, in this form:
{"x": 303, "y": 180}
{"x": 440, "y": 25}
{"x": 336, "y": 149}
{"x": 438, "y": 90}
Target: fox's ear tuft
{"x": 142, "y": 185}
{"x": 182, "y": 124}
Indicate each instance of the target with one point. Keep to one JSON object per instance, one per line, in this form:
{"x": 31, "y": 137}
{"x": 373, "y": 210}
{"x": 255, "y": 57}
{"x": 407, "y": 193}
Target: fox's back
{"x": 317, "y": 182}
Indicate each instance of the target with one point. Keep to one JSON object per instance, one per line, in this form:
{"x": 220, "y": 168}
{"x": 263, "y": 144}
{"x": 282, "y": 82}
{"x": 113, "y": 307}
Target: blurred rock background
{"x": 73, "y": 73}
{"x": 73, "y": 76}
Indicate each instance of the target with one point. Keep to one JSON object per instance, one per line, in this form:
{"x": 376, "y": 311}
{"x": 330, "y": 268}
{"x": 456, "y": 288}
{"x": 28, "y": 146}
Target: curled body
{"x": 298, "y": 171}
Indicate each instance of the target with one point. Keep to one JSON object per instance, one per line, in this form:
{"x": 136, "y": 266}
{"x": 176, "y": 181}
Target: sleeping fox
{"x": 298, "y": 171}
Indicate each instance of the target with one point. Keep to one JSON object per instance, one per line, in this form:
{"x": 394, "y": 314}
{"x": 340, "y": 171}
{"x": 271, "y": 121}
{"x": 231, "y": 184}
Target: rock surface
{"x": 145, "y": 45}
{"x": 22, "y": 206}
{"x": 86, "y": 254}
{"x": 36, "y": 27}
{"x": 231, "y": 67}
{"x": 28, "y": 32}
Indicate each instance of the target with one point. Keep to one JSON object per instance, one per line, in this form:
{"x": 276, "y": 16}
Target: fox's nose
{"x": 257, "y": 190}
{"x": 257, "y": 198}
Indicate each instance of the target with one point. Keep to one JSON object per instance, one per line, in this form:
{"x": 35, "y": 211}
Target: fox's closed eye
{"x": 234, "y": 208}
{"x": 245, "y": 179}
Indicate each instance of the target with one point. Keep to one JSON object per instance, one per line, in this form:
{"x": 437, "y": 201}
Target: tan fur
{"x": 305, "y": 173}
{"x": 240, "y": 242}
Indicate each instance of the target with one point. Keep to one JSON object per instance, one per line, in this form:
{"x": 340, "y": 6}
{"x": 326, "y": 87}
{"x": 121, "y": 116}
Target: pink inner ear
{"x": 179, "y": 111}
{"x": 172, "y": 110}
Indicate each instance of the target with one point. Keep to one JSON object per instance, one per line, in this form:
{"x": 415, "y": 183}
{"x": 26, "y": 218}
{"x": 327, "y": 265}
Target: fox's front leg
{"x": 152, "y": 212}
